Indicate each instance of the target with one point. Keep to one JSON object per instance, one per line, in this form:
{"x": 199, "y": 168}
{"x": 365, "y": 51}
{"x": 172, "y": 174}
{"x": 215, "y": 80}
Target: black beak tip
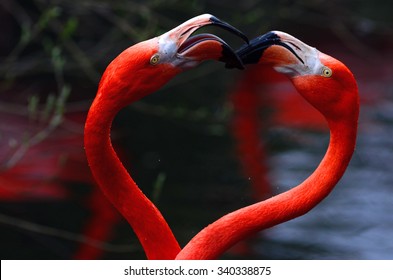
{"x": 215, "y": 21}
{"x": 252, "y": 53}
{"x": 231, "y": 59}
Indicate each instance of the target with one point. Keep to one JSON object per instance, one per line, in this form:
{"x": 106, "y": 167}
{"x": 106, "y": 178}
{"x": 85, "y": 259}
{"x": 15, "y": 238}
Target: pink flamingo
{"x": 135, "y": 73}
{"x": 330, "y": 87}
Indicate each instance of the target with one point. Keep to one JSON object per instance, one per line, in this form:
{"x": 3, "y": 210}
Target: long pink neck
{"x": 152, "y": 230}
{"x": 219, "y": 236}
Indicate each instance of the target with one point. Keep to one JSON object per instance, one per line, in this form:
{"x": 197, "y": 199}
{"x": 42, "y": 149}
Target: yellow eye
{"x": 327, "y": 72}
{"x": 155, "y": 59}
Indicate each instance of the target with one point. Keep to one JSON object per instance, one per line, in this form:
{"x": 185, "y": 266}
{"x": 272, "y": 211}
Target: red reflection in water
{"x": 39, "y": 163}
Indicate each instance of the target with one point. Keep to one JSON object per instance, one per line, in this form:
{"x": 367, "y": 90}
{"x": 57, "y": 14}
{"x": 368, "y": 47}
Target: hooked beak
{"x": 285, "y": 53}
{"x": 253, "y": 52}
{"x": 191, "y": 50}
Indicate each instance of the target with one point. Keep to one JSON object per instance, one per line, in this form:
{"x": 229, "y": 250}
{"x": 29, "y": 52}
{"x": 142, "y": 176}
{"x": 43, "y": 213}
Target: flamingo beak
{"x": 253, "y": 52}
{"x": 285, "y": 53}
{"x": 191, "y": 50}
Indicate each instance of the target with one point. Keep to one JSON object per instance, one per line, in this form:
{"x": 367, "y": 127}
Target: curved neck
{"x": 150, "y": 227}
{"x": 215, "y": 239}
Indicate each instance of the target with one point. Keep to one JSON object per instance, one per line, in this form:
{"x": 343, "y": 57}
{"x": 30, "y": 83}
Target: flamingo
{"x": 330, "y": 87}
{"x": 138, "y": 71}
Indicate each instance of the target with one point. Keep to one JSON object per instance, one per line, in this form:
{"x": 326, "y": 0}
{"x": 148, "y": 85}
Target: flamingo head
{"x": 322, "y": 80}
{"x": 180, "y": 48}
{"x": 145, "y": 67}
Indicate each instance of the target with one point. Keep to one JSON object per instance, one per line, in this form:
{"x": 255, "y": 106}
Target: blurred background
{"x": 209, "y": 142}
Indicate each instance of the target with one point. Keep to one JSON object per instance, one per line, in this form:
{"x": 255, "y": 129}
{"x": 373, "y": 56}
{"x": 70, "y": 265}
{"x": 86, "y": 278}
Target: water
{"x": 355, "y": 221}
{"x": 203, "y": 181}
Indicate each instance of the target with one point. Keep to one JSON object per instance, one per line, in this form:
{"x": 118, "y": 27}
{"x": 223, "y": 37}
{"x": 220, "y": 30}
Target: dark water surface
{"x": 355, "y": 221}
{"x": 203, "y": 181}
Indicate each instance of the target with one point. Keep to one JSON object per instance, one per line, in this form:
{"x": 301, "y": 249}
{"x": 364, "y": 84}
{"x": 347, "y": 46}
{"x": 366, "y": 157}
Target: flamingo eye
{"x": 327, "y": 72}
{"x": 155, "y": 59}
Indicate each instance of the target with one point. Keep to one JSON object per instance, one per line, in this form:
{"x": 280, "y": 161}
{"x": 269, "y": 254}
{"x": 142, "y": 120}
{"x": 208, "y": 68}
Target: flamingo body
{"x": 330, "y": 87}
{"x": 136, "y": 72}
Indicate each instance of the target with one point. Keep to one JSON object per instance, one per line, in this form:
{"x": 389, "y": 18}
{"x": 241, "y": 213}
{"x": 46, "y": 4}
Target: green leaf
{"x": 69, "y": 28}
